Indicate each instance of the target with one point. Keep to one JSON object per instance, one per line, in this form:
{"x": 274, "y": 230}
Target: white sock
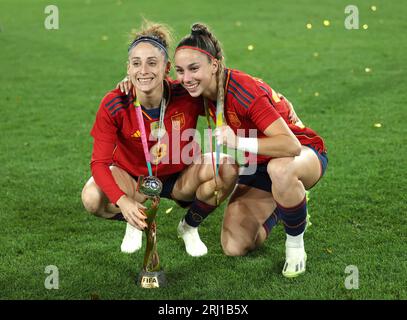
{"x": 295, "y": 241}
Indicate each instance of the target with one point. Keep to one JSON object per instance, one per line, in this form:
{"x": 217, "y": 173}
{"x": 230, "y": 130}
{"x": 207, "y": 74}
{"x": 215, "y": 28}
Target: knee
{"x": 91, "y": 199}
{"x": 229, "y": 168}
{"x": 280, "y": 170}
{"x": 234, "y": 240}
{"x": 231, "y": 247}
{"x": 205, "y": 173}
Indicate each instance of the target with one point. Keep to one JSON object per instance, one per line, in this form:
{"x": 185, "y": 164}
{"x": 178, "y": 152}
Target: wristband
{"x": 248, "y": 144}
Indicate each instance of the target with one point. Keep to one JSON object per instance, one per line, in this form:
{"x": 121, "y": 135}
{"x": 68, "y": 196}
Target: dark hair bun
{"x": 199, "y": 29}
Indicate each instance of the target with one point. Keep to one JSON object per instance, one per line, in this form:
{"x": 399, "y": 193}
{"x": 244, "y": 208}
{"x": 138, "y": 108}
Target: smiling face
{"x": 196, "y": 73}
{"x": 147, "y": 67}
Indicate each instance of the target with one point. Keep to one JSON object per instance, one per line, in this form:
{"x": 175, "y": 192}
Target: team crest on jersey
{"x": 178, "y": 121}
{"x": 234, "y": 119}
{"x": 136, "y": 134}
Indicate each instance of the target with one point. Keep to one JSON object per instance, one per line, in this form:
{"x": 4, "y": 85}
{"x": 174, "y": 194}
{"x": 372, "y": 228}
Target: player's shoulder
{"x": 114, "y": 101}
{"x": 245, "y": 88}
{"x": 176, "y": 89}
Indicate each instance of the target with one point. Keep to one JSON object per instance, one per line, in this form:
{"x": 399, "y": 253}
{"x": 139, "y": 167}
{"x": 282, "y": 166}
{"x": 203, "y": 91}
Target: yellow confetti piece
{"x": 374, "y": 8}
{"x": 316, "y": 54}
{"x": 250, "y": 47}
{"x": 105, "y": 38}
{"x": 367, "y": 70}
{"x": 365, "y": 26}
{"x": 309, "y": 26}
{"x": 238, "y": 24}
{"x": 327, "y": 23}
{"x": 377, "y": 125}
{"x": 329, "y": 250}
{"x": 169, "y": 210}
{"x": 316, "y": 94}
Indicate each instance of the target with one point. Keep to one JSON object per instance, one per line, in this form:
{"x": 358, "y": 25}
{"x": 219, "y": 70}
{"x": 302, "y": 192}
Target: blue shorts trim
{"x": 323, "y": 159}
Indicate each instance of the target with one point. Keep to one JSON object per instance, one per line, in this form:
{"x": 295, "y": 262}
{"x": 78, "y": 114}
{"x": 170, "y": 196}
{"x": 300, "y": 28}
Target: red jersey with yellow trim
{"x": 250, "y": 103}
{"x": 117, "y": 137}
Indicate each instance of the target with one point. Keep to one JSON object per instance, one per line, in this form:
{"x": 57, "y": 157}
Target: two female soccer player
{"x": 118, "y": 156}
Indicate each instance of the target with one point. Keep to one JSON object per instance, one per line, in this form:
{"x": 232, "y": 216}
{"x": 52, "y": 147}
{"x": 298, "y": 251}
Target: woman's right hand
{"x": 125, "y": 85}
{"x": 133, "y": 212}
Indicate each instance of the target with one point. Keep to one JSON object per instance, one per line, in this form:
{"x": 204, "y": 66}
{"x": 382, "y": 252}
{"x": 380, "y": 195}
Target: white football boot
{"x": 193, "y": 243}
{"x": 132, "y": 239}
{"x": 295, "y": 256}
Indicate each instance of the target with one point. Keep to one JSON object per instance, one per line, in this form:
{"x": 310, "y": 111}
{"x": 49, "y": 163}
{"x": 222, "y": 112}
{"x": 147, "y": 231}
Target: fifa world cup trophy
{"x": 151, "y": 276}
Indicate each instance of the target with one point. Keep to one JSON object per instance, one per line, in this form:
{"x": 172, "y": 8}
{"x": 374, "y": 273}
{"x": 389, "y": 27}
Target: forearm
{"x": 104, "y": 179}
{"x": 101, "y": 160}
{"x": 276, "y": 146}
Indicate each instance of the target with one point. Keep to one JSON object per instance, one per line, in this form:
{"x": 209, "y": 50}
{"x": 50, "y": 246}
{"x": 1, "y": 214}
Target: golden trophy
{"x": 151, "y": 276}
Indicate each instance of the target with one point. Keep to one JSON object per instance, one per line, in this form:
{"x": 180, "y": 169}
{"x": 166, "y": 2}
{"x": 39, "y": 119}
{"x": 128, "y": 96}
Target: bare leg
{"x": 198, "y": 180}
{"x": 96, "y": 202}
{"x": 291, "y": 177}
{"x": 242, "y": 229}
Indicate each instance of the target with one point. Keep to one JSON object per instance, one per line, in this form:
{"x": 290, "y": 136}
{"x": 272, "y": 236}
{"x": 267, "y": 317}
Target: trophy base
{"x": 147, "y": 279}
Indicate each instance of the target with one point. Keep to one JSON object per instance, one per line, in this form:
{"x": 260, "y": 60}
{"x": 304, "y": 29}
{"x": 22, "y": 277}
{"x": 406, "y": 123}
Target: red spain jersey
{"x": 117, "y": 137}
{"x": 250, "y": 103}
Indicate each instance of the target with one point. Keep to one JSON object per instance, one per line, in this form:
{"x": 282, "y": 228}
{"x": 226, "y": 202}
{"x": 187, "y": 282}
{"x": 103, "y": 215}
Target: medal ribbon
{"x": 219, "y": 123}
{"x": 214, "y": 167}
{"x": 143, "y": 136}
{"x": 160, "y": 127}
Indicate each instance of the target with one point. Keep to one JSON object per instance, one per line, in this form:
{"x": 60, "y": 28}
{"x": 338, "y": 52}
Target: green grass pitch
{"x": 342, "y": 82}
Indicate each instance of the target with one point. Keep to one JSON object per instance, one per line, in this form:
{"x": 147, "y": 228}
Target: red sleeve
{"x": 104, "y": 127}
{"x": 262, "y": 113}
{"x": 105, "y": 136}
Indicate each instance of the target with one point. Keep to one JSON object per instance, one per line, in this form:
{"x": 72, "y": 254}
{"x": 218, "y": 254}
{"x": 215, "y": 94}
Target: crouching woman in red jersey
{"x": 290, "y": 158}
{"x": 118, "y": 158}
